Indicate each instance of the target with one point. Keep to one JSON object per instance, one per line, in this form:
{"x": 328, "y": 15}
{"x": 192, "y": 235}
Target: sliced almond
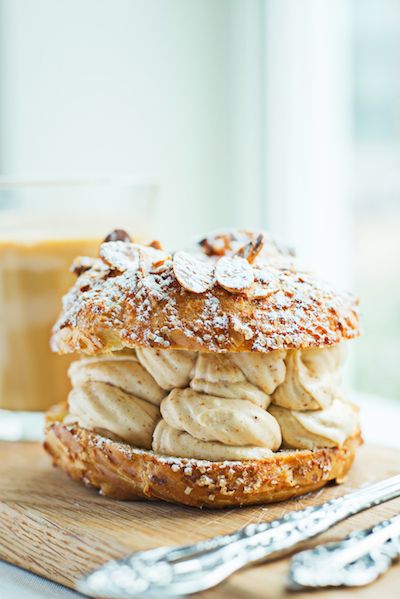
{"x": 234, "y": 273}
{"x": 216, "y": 245}
{"x": 251, "y": 250}
{"x": 266, "y": 282}
{"x": 259, "y": 291}
{"x": 193, "y": 274}
{"x": 152, "y": 257}
{"x": 155, "y": 244}
{"x": 225, "y": 243}
{"x": 152, "y": 260}
{"x": 120, "y": 255}
{"x": 81, "y": 264}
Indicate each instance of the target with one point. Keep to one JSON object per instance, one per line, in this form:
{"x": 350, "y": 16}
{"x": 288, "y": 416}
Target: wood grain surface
{"x": 59, "y": 529}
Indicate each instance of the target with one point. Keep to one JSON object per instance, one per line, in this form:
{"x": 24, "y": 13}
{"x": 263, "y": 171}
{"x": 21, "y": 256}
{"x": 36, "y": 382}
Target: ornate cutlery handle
{"x": 357, "y": 560}
{"x": 188, "y": 569}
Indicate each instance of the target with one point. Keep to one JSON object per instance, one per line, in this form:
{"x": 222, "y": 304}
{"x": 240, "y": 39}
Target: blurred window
{"x": 376, "y": 205}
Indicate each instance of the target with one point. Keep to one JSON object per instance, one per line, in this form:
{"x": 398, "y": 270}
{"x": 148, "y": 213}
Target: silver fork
{"x": 357, "y": 560}
{"x": 174, "y": 571}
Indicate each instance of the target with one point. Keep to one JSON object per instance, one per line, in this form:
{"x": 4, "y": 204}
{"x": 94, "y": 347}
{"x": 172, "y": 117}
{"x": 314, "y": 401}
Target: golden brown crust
{"x": 129, "y": 298}
{"x": 127, "y": 473}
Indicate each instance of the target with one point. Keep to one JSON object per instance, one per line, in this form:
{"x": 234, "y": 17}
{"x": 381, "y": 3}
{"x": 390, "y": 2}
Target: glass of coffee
{"x": 44, "y": 225}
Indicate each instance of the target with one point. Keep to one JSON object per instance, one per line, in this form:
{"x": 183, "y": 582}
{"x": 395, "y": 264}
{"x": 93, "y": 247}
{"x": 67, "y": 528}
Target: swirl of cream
{"x": 323, "y": 359}
{"x": 265, "y": 370}
{"x": 122, "y": 371}
{"x": 98, "y": 405}
{"x": 171, "y": 368}
{"x": 312, "y": 379}
{"x": 317, "y": 428}
{"x": 218, "y": 375}
{"x": 229, "y": 421}
{"x": 170, "y": 441}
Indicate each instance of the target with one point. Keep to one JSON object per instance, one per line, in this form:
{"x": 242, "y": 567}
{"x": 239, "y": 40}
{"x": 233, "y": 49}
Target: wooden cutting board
{"x": 55, "y": 527}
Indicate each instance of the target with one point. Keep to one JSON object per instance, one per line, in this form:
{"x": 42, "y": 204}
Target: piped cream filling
{"x": 317, "y": 428}
{"x": 312, "y": 379}
{"x": 235, "y": 422}
{"x": 97, "y": 405}
{"x": 184, "y": 445}
{"x": 214, "y": 406}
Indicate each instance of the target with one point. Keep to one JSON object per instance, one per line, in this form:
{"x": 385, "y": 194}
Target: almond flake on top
{"x": 120, "y": 255}
{"x": 153, "y": 257}
{"x": 81, "y": 264}
{"x": 124, "y": 256}
{"x": 266, "y": 282}
{"x": 183, "y": 303}
{"x": 193, "y": 274}
{"x": 259, "y": 291}
{"x": 251, "y": 250}
{"x": 234, "y": 273}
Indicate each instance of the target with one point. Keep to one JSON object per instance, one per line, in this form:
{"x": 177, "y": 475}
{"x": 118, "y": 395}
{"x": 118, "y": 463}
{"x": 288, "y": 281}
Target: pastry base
{"x": 124, "y": 472}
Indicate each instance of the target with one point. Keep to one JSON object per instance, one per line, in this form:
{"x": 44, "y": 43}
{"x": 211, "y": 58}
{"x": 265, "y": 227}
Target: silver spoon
{"x": 174, "y": 571}
{"x": 357, "y": 560}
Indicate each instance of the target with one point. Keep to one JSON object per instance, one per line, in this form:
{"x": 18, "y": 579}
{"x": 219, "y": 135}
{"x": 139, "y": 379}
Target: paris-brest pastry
{"x": 208, "y": 378}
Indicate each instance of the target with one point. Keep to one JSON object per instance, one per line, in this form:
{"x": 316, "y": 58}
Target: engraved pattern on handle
{"x": 356, "y": 561}
{"x": 188, "y": 569}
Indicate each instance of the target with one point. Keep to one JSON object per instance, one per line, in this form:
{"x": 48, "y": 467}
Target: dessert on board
{"x": 207, "y": 378}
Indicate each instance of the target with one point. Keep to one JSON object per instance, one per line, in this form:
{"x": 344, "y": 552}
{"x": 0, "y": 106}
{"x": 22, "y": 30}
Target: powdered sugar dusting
{"x": 146, "y": 305}
{"x": 234, "y": 274}
{"x": 120, "y": 255}
{"x": 193, "y": 274}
